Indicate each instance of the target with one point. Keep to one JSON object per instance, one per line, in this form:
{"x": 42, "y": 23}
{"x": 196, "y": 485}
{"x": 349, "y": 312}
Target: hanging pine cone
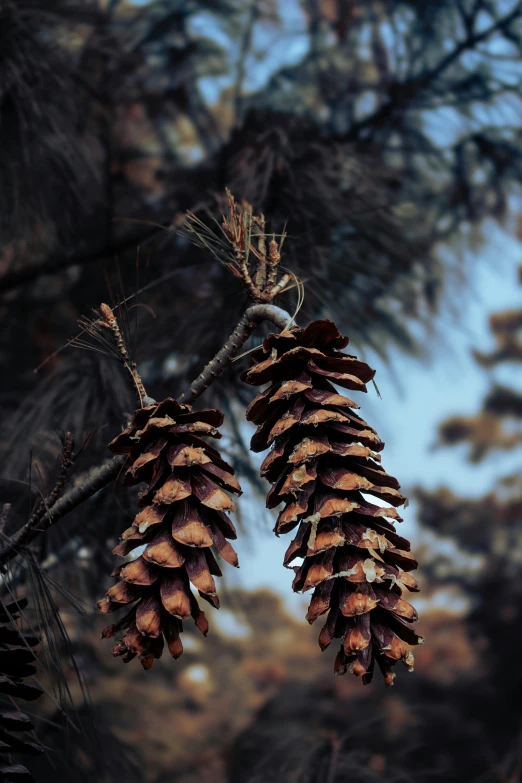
{"x": 183, "y": 515}
{"x": 323, "y": 457}
{"x": 16, "y": 663}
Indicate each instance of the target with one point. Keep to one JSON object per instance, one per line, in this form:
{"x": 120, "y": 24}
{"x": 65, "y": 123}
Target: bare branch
{"x": 252, "y": 317}
{"x": 94, "y": 480}
{"x": 100, "y": 476}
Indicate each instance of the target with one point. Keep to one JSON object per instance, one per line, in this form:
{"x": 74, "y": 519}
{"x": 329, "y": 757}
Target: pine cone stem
{"x": 252, "y": 317}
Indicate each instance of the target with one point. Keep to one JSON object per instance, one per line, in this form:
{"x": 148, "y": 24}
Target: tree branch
{"x": 14, "y": 278}
{"x": 95, "y": 479}
{"x": 46, "y": 504}
{"x": 404, "y": 92}
{"x": 253, "y": 316}
{"x": 100, "y": 476}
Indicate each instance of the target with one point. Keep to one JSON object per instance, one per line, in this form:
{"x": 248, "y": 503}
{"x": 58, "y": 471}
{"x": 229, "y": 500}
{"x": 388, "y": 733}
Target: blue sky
{"x": 418, "y": 394}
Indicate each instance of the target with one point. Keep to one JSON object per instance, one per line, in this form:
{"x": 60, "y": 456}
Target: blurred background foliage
{"x": 382, "y": 134}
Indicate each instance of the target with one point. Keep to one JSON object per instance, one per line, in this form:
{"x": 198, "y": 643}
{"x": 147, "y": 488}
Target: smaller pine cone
{"x": 324, "y": 456}
{"x": 17, "y": 662}
{"x": 183, "y": 517}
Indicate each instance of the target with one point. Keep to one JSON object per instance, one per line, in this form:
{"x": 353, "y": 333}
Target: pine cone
{"x": 16, "y": 663}
{"x": 323, "y": 457}
{"x": 183, "y": 516}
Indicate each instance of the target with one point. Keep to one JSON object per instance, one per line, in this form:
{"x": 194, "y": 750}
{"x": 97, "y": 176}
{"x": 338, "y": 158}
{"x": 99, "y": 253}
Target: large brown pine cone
{"x": 183, "y": 517}
{"x": 323, "y": 458}
{"x": 17, "y": 662}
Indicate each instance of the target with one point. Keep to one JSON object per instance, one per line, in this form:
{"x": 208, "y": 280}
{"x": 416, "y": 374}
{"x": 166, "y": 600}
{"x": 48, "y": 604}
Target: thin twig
{"x": 67, "y": 462}
{"x": 78, "y": 339}
{"x": 260, "y": 277}
{"x": 44, "y": 508}
{"x": 237, "y": 227}
{"x": 94, "y": 480}
{"x": 98, "y": 477}
{"x": 274, "y": 257}
{"x": 281, "y": 285}
{"x": 404, "y": 93}
{"x": 130, "y": 366}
